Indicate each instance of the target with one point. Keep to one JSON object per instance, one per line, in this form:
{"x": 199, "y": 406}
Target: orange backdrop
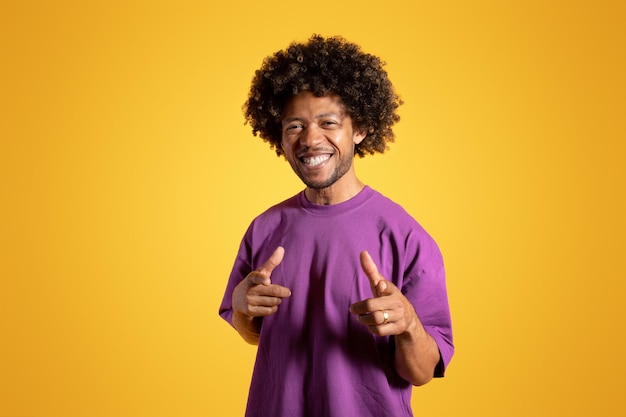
{"x": 127, "y": 179}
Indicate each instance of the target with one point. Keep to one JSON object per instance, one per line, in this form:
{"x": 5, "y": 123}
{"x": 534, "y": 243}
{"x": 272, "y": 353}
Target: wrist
{"x": 247, "y": 326}
{"x": 414, "y": 330}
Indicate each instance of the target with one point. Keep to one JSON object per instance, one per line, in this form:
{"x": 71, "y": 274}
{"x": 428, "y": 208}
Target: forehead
{"x": 308, "y": 104}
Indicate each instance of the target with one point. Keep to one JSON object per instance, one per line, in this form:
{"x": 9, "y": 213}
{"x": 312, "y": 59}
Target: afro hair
{"x": 324, "y": 66}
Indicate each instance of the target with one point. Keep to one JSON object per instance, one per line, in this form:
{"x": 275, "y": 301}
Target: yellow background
{"x": 127, "y": 179}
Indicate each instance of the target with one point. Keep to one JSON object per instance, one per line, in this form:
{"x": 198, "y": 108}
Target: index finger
{"x": 371, "y": 270}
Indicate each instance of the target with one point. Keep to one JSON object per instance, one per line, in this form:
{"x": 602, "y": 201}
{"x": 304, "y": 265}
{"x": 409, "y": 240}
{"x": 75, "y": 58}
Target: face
{"x": 318, "y": 139}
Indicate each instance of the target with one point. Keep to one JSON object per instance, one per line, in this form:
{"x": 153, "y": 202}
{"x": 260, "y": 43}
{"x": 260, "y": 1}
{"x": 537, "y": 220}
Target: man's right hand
{"x": 256, "y": 296}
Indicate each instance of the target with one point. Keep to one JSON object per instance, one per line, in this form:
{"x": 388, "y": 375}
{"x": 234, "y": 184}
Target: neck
{"x": 337, "y": 193}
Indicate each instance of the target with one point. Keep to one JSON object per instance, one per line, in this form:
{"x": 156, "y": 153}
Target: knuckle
{"x": 267, "y": 310}
{"x": 276, "y": 292}
{"x": 253, "y": 278}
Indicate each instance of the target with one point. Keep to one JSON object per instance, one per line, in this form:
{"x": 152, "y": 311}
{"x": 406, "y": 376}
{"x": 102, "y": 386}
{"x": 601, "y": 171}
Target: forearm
{"x": 416, "y": 355}
{"x": 248, "y": 327}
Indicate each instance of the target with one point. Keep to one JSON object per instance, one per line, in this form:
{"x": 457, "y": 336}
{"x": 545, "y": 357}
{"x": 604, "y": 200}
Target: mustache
{"x": 314, "y": 149}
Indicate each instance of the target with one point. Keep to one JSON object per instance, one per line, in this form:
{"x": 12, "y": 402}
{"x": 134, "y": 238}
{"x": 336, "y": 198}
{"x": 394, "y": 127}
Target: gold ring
{"x": 385, "y": 316}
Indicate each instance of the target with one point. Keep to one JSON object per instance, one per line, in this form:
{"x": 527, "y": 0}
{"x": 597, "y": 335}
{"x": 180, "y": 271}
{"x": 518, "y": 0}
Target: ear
{"x": 279, "y": 149}
{"x": 358, "y": 135}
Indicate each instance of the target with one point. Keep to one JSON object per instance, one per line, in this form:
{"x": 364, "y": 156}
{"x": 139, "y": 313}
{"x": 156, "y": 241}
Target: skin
{"x": 318, "y": 141}
{"x": 416, "y": 353}
{"x": 256, "y": 297}
{"x": 319, "y": 127}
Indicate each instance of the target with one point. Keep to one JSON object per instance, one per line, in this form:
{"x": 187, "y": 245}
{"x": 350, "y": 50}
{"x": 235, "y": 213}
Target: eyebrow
{"x": 318, "y": 116}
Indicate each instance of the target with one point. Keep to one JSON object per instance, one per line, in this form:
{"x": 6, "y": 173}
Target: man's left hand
{"x": 389, "y": 312}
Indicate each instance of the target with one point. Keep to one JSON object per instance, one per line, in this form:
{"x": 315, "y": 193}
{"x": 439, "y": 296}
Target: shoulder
{"x": 394, "y": 219}
{"x": 390, "y": 212}
{"x": 273, "y": 217}
{"x": 278, "y": 210}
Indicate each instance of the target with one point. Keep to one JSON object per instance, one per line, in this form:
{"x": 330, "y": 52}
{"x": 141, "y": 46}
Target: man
{"x": 341, "y": 289}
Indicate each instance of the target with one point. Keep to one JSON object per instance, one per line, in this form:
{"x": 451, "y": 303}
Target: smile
{"x": 315, "y": 160}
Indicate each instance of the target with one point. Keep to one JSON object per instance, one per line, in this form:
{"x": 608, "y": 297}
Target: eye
{"x": 294, "y": 127}
{"x": 329, "y": 124}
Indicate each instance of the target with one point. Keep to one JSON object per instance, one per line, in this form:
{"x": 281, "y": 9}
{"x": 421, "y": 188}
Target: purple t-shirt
{"x": 314, "y": 358}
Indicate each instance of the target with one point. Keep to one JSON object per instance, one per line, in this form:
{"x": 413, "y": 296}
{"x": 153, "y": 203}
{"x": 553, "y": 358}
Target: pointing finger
{"x": 261, "y": 276}
{"x": 377, "y": 282}
{"x": 274, "y": 260}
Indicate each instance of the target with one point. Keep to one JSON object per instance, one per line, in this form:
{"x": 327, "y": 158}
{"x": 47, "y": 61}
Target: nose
{"x": 311, "y": 136}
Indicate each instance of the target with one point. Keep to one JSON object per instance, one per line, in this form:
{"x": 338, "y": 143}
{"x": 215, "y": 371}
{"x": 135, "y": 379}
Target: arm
{"x": 417, "y": 353}
{"x": 256, "y": 297}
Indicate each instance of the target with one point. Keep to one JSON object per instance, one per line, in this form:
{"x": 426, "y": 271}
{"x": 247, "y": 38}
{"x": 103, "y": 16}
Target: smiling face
{"x": 318, "y": 141}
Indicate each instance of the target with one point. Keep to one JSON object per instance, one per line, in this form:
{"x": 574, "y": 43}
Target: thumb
{"x": 261, "y": 275}
{"x": 377, "y": 282}
{"x": 274, "y": 260}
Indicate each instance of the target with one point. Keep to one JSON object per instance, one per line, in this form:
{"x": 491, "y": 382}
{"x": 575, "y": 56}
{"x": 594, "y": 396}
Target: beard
{"x": 343, "y": 165}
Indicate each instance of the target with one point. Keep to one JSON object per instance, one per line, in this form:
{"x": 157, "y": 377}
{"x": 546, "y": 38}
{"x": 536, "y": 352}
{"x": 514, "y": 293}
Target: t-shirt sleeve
{"x": 240, "y": 270}
{"x": 425, "y": 287}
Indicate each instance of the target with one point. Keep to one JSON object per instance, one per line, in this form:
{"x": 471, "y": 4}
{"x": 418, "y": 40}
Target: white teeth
{"x": 316, "y": 160}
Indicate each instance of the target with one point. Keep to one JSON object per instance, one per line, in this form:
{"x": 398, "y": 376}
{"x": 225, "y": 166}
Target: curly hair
{"x": 324, "y": 66}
